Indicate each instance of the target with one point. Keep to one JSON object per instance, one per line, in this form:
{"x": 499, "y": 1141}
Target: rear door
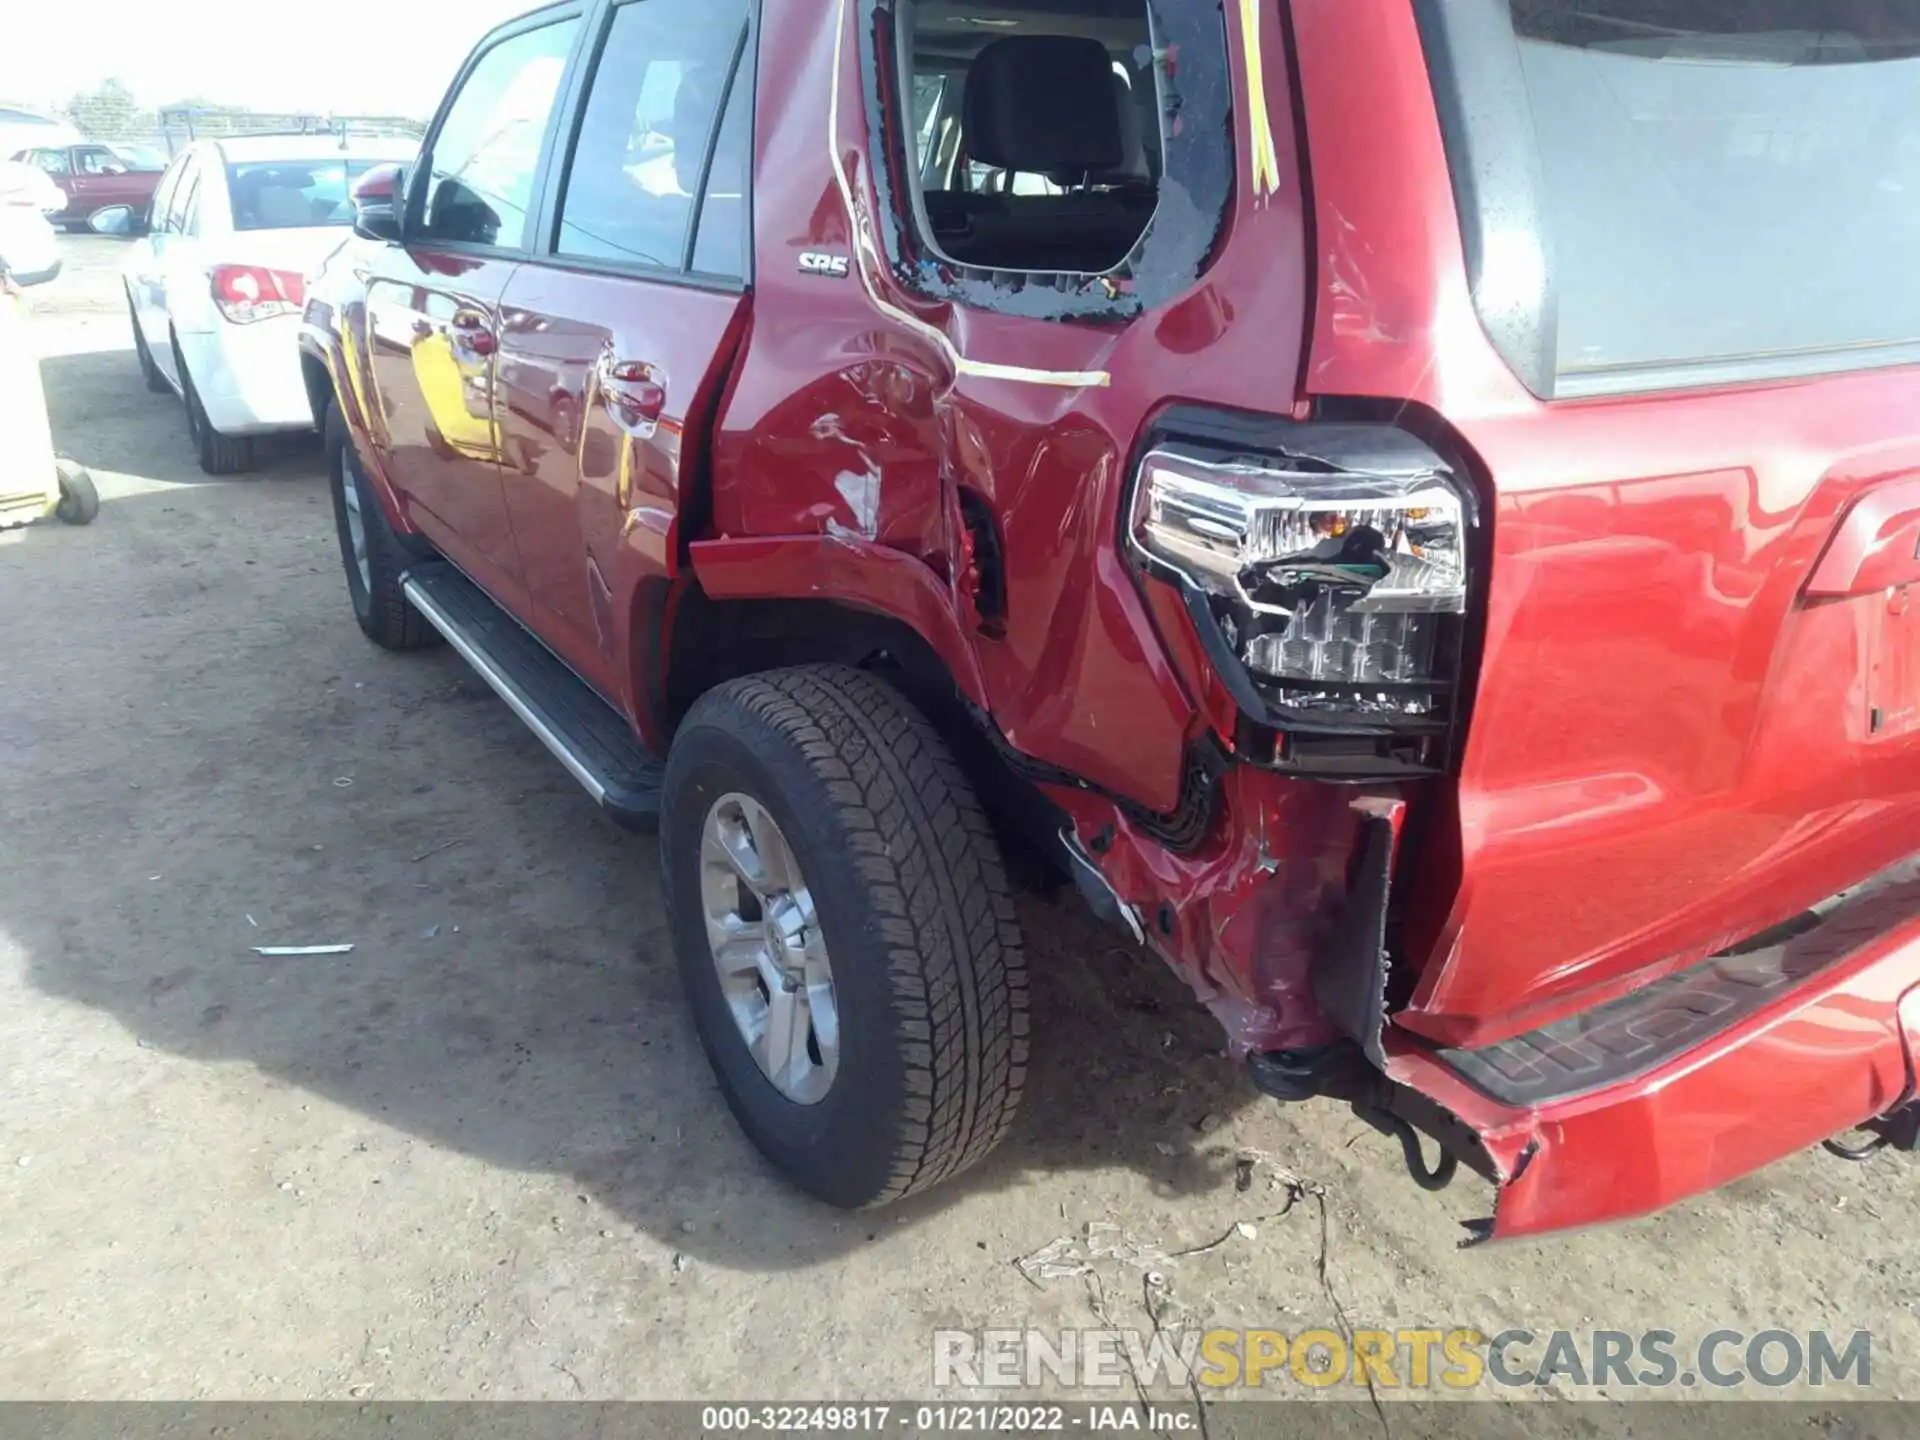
{"x": 142, "y": 268}
{"x": 101, "y": 178}
{"x": 433, "y": 301}
{"x": 186, "y": 286}
{"x": 165, "y": 269}
{"x": 615, "y": 344}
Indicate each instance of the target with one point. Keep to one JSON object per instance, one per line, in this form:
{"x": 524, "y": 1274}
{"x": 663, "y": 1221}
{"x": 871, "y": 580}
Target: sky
{"x": 365, "y": 57}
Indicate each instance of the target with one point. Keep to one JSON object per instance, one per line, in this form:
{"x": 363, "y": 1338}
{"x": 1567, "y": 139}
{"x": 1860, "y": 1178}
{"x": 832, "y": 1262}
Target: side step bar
{"x": 589, "y": 737}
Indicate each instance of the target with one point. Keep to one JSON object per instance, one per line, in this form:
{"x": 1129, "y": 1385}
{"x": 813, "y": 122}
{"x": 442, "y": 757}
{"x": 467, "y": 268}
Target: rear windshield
{"x": 1722, "y": 189}
{"x": 140, "y": 157}
{"x": 293, "y": 194}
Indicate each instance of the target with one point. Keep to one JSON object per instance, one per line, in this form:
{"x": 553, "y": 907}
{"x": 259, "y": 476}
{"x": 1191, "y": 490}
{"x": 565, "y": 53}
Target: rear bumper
{"x": 248, "y": 376}
{"x": 1619, "y": 1123}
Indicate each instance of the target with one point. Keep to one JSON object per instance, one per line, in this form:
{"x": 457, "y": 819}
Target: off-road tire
{"x": 916, "y": 914}
{"x": 149, "y": 371}
{"x": 218, "y": 454}
{"x": 383, "y": 610}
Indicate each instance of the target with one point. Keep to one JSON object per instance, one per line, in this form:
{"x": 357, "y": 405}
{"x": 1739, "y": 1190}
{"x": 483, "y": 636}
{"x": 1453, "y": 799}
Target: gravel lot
{"x": 481, "y": 1155}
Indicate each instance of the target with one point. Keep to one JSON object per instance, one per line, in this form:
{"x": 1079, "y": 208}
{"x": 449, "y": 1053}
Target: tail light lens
{"x": 246, "y": 293}
{"x": 1334, "y": 573}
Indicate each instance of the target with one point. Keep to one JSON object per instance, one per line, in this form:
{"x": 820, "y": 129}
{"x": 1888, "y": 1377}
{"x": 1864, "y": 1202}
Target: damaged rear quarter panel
{"x": 863, "y": 403}
{"x": 1247, "y": 914}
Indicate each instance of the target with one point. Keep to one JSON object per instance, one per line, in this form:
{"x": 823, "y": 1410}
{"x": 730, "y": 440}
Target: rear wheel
{"x": 149, "y": 371}
{"x": 218, "y": 454}
{"x": 370, "y": 551}
{"x": 845, "y": 932}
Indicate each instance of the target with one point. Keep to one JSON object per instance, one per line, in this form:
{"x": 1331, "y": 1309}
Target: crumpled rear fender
{"x": 1253, "y": 913}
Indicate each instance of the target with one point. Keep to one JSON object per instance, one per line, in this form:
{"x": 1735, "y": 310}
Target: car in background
{"x": 217, "y": 277}
{"x": 94, "y": 176}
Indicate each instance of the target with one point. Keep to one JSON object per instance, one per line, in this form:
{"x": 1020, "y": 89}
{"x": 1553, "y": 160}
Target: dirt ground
{"x": 481, "y": 1155}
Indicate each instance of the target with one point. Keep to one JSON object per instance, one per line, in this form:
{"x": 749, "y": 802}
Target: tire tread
{"x": 933, "y": 879}
{"x": 391, "y": 622}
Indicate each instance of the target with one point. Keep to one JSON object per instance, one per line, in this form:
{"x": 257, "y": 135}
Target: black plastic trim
{"x": 1486, "y": 121}
{"x": 1639, "y": 1031}
{"x": 1180, "y": 829}
{"x": 1350, "y": 971}
{"x": 713, "y": 144}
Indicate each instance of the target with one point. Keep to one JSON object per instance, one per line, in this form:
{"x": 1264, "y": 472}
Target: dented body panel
{"x": 870, "y": 389}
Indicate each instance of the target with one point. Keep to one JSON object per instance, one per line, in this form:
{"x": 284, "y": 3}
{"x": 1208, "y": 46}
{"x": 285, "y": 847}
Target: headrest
{"x": 1133, "y": 167}
{"x": 1039, "y": 103}
{"x": 280, "y": 207}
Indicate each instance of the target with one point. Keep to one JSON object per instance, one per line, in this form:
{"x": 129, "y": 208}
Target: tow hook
{"x": 1899, "y": 1128}
{"x": 1341, "y": 1072}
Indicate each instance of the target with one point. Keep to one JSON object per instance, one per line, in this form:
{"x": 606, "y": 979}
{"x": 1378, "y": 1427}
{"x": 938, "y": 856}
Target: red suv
{"x": 1411, "y": 505}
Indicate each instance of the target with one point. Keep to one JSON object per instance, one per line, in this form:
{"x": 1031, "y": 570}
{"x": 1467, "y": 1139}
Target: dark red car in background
{"x": 94, "y": 176}
{"x": 1413, "y": 505}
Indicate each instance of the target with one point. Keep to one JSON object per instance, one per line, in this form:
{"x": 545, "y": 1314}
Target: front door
{"x": 102, "y": 178}
{"x": 433, "y": 301}
{"x": 613, "y": 349}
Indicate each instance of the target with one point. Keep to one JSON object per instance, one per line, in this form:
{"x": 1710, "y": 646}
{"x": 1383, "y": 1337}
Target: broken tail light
{"x": 1330, "y": 573}
{"x": 246, "y": 293}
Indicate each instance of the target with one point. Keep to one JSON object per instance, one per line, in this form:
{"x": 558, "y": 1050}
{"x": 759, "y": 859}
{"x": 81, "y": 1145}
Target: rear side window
{"x": 1721, "y": 189}
{"x": 54, "y": 162}
{"x": 187, "y": 222}
{"x": 163, "y": 192}
{"x": 720, "y": 243}
{"x": 481, "y": 170}
{"x": 1080, "y": 152}
{"x": 140, "y": 157}
{"x": 184, "y": 191}
{"x": 647, "y": 142}
{"x": 293, "y": 194}
{"x": 1039, "y": 139}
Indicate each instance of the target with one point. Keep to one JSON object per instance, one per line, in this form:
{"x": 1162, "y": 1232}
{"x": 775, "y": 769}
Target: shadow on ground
{"x": 148, "y": 433}
{"x": 205, "y": 755}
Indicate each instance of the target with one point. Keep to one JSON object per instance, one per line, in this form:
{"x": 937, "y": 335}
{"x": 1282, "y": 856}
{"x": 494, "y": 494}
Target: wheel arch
{"x": 686, "y": 642}
{"x": 319, "y": 386}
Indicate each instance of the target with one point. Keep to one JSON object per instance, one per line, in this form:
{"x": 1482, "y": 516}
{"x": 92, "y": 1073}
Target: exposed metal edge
{"x": 1100, "y": 895}
{"x": 503, "y": 686}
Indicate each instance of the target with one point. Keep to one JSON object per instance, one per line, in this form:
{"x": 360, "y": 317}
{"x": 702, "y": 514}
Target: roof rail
{"x": 199, "y": 122}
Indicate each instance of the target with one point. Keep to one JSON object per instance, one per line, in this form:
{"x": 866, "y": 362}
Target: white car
{"x": 216, "y": 279}
{"x": 29, "y": 254}
{"x": 30, "y": 129}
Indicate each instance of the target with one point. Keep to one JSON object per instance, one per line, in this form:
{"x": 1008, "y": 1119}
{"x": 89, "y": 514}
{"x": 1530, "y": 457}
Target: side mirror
{"x": 115, "y": 220}
{"x": 378, "y": 198}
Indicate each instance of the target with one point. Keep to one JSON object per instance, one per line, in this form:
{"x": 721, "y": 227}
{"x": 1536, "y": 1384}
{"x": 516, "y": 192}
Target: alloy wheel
{"x": 768, "y": 950}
